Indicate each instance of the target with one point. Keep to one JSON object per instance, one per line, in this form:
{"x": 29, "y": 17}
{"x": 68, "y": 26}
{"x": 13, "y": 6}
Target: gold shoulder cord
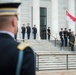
{"x": 23, "y": 45}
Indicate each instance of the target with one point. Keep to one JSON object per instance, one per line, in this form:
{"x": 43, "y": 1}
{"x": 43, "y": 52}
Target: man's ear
{"x": 14, "y": 21}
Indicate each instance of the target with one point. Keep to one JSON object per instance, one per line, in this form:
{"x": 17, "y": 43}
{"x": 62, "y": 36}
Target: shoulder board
{"x": 23, "y": 45}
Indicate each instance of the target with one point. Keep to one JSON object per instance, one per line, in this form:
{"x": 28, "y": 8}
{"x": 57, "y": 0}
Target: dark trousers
{"x": 62, "y": 42}
{"x": 23, "y": 35}
{"x": 72, "y": 47}
{"x": 34, "y": 35}
{"x": 65, "y": 39}
{"x": 69, "y": 44}
{"x": 48, "y": 37}
{"x": 28, "y": 35}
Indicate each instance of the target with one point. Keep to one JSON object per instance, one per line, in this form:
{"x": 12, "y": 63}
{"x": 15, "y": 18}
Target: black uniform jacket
{"x": 28, "y": 29}
{"x": 61, "y": 34}
{"x": 9, "y": 56}
{"x": 34, "y": 30}
{"x": 23, "y": 30}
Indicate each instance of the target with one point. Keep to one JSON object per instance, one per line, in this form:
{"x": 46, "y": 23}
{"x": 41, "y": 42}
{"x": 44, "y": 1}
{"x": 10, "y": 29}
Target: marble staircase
{"x": 52, "y": 57}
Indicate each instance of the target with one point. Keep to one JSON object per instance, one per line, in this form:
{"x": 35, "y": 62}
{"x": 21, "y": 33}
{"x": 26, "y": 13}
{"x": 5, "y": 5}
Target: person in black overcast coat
{"x": 9, "y": 51}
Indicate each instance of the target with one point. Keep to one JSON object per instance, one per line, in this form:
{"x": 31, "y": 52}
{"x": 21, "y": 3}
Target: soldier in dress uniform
{"x": 34, "y": 31}
{"x": 65, "y": 36}
{"x": 69, "y": 34}
{"x": 49, "y": 33}
{"x": 23, "y": 31}
{"x": 10, "y": 62}
{"x": 28, "y": 31}
{"x": 61, "y": 34}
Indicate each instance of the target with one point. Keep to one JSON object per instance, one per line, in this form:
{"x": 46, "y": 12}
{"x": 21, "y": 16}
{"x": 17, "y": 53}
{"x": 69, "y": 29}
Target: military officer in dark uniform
{"x": 9, "y": 48}
{"x": 28, "y": 31}
{"x": 48, "y": 32}
{"x": 65, "y": 36}
{"x": 61, "y": 34}
{"x": 34, "y": 31}
{"x": 23, "y": 31}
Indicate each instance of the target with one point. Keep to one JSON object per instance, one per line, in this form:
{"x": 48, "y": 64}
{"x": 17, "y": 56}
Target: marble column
{"x": 36, "y": 16}
{"x": 54, "y": 30}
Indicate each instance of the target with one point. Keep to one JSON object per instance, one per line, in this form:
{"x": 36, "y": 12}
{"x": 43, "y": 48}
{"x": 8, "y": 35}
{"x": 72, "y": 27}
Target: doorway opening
{"x": 43, "y": 22}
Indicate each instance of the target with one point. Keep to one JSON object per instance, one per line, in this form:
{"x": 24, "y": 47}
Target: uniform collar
{"x": 7, "y": 32}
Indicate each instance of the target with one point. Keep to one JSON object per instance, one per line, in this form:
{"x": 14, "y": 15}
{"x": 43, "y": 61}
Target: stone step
{"x": 52, "y": 61}
{"x": 57, "y": 72}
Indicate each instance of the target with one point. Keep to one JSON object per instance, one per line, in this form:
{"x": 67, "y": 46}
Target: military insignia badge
{"x": 23, "y": 45}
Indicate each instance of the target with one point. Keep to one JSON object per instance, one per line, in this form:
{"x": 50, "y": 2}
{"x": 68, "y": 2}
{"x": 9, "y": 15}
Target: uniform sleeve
{"x": 30, "y": 29}
{"x": 36, "y": 30}
{"x": 28, "y": 65}
{"x": 74, "y": 39}
{"x": 59, "y": 33}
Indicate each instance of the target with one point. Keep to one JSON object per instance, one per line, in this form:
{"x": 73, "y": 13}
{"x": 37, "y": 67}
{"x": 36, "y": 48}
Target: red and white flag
{"x": 70, "y": 17}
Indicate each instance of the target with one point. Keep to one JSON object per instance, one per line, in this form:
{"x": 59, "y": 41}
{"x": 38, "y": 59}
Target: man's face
{"x": 72, "y": 33}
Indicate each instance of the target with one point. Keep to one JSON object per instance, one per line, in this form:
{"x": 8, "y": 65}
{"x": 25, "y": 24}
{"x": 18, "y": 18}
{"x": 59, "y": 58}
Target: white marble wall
{"x": 75, "y": 8}
{"x": 54, "y": 14}
{"x": 26, "y": 14}
{"x": 62, "y": 22}
{"x": 26, "y": 11}
{"x": 36, "y": 16}
{"x": 62, "y": 7}
{"x": 75, "y": 16}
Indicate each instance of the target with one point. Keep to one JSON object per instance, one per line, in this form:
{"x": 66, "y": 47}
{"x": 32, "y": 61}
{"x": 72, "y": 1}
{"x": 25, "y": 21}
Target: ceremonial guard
{"x": 15, "y": 58}
{"x": 61, "y": 34}
{"x": 34, "y": 31}
{"x": 49, "y": 33}
{"x": 28, "y": 31}
{"x": 65, "y": 36}
{"x": 23, "y": 31}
